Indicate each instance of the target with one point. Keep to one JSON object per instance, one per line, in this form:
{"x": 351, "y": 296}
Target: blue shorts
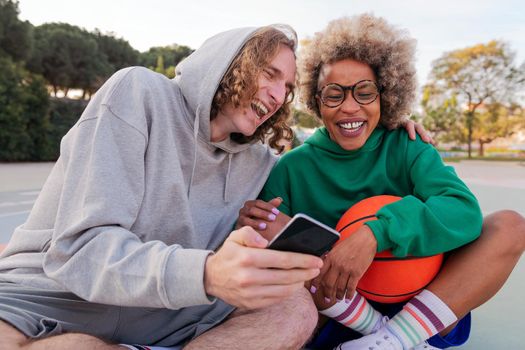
{"x": 334, "y": 333}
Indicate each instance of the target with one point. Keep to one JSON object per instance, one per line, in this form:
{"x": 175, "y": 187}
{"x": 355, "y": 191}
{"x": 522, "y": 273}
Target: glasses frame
{"x": 345, "y": 90}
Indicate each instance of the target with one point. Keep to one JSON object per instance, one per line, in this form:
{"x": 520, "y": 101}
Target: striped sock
{"x": 356, "y": 314}
{"x": 422, "y": 317}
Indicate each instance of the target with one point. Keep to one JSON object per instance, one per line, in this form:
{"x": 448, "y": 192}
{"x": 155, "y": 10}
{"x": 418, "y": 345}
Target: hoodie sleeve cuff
{"x": 184, "y": 283}
{"x": 379, "y": 230}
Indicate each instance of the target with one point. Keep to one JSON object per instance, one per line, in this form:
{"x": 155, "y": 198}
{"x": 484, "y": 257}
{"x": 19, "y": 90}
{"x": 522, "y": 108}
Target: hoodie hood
{"x": 199, "y": 75}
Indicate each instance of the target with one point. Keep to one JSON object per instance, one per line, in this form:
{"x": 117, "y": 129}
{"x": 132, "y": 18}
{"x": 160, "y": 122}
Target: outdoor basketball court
{"x": 499, "y": 324}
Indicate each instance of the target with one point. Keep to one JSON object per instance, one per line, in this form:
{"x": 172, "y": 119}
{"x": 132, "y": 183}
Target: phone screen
{"x": 305, "y": 235}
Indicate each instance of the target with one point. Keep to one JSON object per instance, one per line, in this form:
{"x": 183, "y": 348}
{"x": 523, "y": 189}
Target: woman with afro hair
{"x": 358, "y": 77}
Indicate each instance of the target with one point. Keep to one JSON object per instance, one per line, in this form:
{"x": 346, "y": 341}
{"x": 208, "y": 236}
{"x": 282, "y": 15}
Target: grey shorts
{"x": 40, "y": 313}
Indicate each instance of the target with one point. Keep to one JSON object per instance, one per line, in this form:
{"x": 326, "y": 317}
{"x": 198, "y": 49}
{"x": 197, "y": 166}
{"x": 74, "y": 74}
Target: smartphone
{"x": 303, "y": 234}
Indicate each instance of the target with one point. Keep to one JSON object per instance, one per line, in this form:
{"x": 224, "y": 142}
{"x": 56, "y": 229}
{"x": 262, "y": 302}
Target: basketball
{"x": 389, "y": 279}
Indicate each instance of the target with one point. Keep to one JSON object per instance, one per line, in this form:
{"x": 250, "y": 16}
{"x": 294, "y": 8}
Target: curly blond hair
{"x": 239, "y": 84}
{"x": 387, "y": 50}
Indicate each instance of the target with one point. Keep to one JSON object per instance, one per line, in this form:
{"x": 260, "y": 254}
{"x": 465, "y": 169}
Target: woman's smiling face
{"x": 351, "y": 123}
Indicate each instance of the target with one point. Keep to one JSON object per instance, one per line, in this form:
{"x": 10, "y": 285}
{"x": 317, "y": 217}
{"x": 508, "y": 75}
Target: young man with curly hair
{"x": 358, "y": 76}
{"x": 129, "y": 240}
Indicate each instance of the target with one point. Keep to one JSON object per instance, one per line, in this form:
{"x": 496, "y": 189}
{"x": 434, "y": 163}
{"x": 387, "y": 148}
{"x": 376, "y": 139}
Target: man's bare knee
{"x": 298, "y": 318}
{"x": 11, "y": 338}
{"x": 72, "y": 341}
{"x": 288, "y": 324}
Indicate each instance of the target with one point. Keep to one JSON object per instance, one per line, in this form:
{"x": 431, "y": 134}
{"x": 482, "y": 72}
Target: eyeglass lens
{"x": 364, "y": 92}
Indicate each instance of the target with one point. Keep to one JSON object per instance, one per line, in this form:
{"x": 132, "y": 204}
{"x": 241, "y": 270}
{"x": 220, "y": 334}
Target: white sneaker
{"x": 425, "y": 346}
{"x": 382, "y": 321}
{"x": 380, "y": 340}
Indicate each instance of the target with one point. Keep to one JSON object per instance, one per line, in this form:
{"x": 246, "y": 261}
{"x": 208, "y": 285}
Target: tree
{"x": 474, "y": 76}
{"x": 15, "y": 35}
{"x": 23, "y": 113}
{"x": 118, "y": 52}
{"x": 24, "y": 100}
{"x": 170, "y": 56}
{"x": 159, "y": 68}
{"x": 442, "y": 115}
{"x": 305, "y": 119}
{"x": 69, "y": 58}
{"x": 496, "y": 120}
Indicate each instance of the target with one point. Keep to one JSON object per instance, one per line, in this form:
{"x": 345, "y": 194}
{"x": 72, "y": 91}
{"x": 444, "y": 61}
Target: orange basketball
{"x": 389, "y": 279}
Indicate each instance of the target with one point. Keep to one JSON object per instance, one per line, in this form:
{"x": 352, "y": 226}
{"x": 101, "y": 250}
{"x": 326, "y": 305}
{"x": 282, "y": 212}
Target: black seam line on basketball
{"x": 394, "y": 258}
{"x": 357, "y": 220}
{"x": 393, "y": 296}
{"x": 390, "y": 295}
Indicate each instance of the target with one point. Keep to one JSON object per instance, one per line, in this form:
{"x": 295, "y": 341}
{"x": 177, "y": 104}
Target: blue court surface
{"x": 499, "y": 324}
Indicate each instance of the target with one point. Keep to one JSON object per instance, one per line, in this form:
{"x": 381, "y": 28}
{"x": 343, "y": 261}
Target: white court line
{"x": 12, "y": 204}
{"x": 15, "y": 213}
{"x": 508, "y": 183}
{"x": 29, "y": 193}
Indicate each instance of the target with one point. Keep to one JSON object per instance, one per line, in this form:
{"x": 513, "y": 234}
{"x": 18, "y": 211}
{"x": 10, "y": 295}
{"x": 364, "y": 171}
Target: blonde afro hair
{"x": 387, "y": 50}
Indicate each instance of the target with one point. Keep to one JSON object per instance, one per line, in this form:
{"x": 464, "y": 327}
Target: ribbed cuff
{"x": 379, "y": 231}
{"x": 184, "y": 282}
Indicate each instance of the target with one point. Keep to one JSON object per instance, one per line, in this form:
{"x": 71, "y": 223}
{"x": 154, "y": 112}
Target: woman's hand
{"x": 344, "y": 266}
{"x": 263, "y": 217}
{"x": 412, "y": 127}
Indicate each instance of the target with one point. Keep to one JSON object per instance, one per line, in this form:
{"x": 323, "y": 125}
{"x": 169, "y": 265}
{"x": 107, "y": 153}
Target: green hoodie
{"x": 437, "y": 213}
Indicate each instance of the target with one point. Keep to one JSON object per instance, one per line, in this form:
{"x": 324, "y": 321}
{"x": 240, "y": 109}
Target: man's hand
{"x": 344, "y": 266}
{"x": 245, "y": 275}
{"x": 412, "y": 127}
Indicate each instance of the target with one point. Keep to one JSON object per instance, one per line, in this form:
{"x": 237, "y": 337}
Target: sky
{"x": 438, "y": 25}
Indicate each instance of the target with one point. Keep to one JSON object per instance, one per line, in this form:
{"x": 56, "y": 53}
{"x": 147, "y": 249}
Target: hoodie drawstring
{"x": 226, "y": 197}
{"x": 195, "y": 143}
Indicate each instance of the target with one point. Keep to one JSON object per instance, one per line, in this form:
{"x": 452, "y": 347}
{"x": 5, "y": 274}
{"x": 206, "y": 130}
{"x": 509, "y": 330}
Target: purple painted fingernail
{"x": 313, "y": 289}
{"x": 262, "y": 226}
{"x": 271, "y": 217}
{"x": 347, "y": 300}
{"x": 275, "y": 211}
{"x": 327, "y": 300}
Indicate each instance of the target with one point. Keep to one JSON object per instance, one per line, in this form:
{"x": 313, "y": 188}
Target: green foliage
{"x": 164, "y": 59}
{"x": 118, "y": 52}
{"x": 63, "y": 114}
{"x": 296, "y": 142}
{"x": 64, "y": 57}
{"x": 15, "y": 35}
{"x": 159, "y": 68}
{"x": 442, "y": 116}
{"x": 305, "y": 119}
{"x": 24, "y": 120}
{"x": 464, "y": 83}
{"x": 170, "y": 72}
{"x": 496, "y": 120}
{"x": 68, "y": 57}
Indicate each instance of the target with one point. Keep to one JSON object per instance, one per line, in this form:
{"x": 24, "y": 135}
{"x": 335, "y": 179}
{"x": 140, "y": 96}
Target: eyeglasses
{"x": 364, "y": 92}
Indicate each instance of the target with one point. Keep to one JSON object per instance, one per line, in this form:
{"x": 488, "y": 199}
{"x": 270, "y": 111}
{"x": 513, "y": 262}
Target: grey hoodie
{"x": 140, "y": 196}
